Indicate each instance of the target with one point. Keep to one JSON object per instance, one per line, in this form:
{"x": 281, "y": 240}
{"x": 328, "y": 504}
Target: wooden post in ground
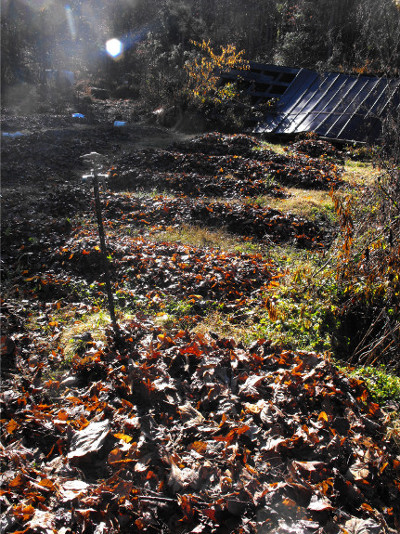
{"x": 96, "y": 160}
{"x": 103, "y": 249}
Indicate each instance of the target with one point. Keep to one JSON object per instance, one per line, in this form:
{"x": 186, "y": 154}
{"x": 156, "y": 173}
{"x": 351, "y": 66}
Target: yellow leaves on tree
{"x": 204, "y": 73}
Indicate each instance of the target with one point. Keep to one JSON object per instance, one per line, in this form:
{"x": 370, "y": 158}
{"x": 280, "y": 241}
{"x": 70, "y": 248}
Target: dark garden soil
{"x": 164, "y": 430}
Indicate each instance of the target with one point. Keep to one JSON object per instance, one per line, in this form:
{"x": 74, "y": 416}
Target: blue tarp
{"x": 333, "y": 105}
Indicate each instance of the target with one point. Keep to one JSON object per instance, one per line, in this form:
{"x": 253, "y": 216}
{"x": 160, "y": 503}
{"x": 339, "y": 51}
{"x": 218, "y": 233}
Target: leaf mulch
{"x": 46, "y": 257}
{"x": 176, "y": 432}
{"x": 204, "y": 174}
{"x": 223, "y": 158}
{"x": 317, "y": 148}
{"x": 248, "y": 219}
{"x": 144, "y": 272}
{"x": 158, "y": 273}
{"x": 217, "y": 144}
{"x": 171, "y": 431}
{"x": 194, "y": 184}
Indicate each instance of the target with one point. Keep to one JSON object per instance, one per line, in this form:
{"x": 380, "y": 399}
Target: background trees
{"x": 348, "y": 35}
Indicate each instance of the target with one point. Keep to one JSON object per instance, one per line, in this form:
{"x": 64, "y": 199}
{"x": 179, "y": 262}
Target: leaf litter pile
{"x": 169, "y": 431}
{"x": 176, "y": 432}
{"x": 219, "y": 170}
{"x": 147, "y": 269}
{"x": 245, "y": 219}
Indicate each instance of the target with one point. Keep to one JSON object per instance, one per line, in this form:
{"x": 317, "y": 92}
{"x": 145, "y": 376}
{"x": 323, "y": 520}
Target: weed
{"x": 383, "y": 385}
{"x": 178, "y": 308}
{"x": 368, "y": 267}
{"x": 304, "y": 310}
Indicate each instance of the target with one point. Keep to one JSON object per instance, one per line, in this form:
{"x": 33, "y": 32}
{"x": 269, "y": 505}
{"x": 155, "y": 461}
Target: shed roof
{"x": 333, "y": 105}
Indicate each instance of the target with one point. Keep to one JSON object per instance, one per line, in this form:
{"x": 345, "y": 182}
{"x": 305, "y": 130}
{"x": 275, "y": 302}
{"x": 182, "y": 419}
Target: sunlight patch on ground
{"x": 199, "y": 236}
{"x": 301, "y": 202}
{"x": 279, "y": 148}
{"x": 360, "y": 173}
{"x": 77, "y": 330}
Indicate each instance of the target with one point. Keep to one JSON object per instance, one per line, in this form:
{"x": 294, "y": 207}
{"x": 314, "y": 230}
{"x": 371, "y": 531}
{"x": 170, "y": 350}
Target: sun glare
{"x": 114, "y": 47}
{"x": 70, "y": 21}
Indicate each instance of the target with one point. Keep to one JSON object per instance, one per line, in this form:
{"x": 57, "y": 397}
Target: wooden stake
{"x": 106, "y": 269}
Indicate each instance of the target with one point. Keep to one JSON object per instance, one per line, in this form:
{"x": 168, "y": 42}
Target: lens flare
{"x": 114, "y": 47}
{"x": 70, "y": 22}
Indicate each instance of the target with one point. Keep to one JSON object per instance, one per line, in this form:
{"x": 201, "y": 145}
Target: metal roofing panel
{"x": 333, "y": 105}
{"x": 389, "y": 96}
{"x": 305, "y": 113}
{"x": 318, "y": 107}
{"x": 358, "y": 107}
{"x": 295, "y": 92}
{"x": 344, "y": 109}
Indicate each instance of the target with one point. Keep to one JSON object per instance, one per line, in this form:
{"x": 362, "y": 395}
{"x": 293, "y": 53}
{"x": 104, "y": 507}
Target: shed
{"x": 334, "y": 106}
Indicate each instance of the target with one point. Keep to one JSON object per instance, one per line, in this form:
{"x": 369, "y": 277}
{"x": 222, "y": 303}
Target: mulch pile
{"x": 248, "y": 219}
{"x": 317, "y": 148}
{"x": 226, "y": 175}
{"x": 217, "y": 156}
{"x": 193, "y": 184}
{"x": 182, "y": 433}
{"x": 144, "y": 273}
{"x": 218, "y": 144}
{"x": 160, "y": 273}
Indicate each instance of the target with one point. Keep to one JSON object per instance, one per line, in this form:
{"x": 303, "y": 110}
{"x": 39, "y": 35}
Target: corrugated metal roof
{"x": 333, "y": 105}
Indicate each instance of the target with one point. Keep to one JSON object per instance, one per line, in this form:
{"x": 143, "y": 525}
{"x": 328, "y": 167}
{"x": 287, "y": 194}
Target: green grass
{"x": 200, "y": 236}
{"x": 304, "y": 303}
{"x": 383, "y": 385}
{"x": 313, "y": 205}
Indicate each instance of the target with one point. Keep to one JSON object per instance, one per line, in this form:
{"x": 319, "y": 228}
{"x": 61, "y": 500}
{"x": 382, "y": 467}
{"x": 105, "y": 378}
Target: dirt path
{"x": 47, "y": 154}
{"x": 55, "y": 151}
